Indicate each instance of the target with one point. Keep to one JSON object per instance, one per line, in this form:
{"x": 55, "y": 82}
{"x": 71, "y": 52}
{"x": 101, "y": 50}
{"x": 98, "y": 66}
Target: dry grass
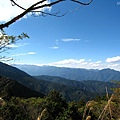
{"x": 2, "y": 102}
{"x": 42, "y": 114}
{"x": 106, "y": 110}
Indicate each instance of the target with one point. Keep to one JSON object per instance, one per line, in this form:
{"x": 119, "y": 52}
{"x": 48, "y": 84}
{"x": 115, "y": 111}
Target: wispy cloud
{"x": 113, "y": 59}
{"x": 4, "y": 59}
{"x": 20, "y": 54}
{"x": 87, "y": 64}
{"x": 8, "y": 11}
{"x": 12, "y": 46}
{"x": 98, "y": 62}
{"x": 23, "y": 54}
{"x": 69, "y": 61}
{"x": 56, "y": 41}
{"x": 70, "y": 40}
{"x": 17, "y": 45}
{"x": 81, "y": 63}
{"x": 31, "y": 53}
{"x": 54, "y": 47}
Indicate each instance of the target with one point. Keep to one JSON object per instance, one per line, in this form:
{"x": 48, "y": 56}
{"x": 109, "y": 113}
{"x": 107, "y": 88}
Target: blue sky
{"x": 88, "y": 37}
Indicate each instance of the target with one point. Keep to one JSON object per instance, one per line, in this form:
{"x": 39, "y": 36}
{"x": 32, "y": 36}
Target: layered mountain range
{"x": 70, "y": 89}
{"x": 71, "y": 73}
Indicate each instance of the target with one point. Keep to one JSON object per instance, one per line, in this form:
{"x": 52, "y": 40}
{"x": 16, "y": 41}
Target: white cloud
{"x": 17, "y": 45}
{"x": 56, "y": 41}
{"x": 55, "y": 47}
{"x": 90, "y": 60}
{"x": 98, "y": 62}
{"x": 113, "y": 65}
{"x": 82, "y": 63}
{"x": 86, "y": 64}
{"x": 31, "y": 53}
{"x": 20, "y": 54}
{"x": 12, "y": 46}
{"x": 70, "y": 40}
{"x": 69, "y": 62}
{"x": 113, "y": 59}
{"x": 23, "y": 54}
{"x": 8, "y": 11}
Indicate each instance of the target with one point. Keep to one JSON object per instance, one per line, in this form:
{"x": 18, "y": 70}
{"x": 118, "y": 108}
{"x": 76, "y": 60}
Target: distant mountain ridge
{"x": 72, "y": 91}
{"x": 42, "y": 86}
{"x": 71, "y": 73}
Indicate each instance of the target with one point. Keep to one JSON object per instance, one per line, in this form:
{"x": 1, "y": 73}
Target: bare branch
{"x": 44, "y": 14}
{"x": 35, "y": 8}
{"x": 14, "y": 3}
{"x": 82, "y": 3}
{"x": 27, "y": 11}
{"x": 47, "y": 5}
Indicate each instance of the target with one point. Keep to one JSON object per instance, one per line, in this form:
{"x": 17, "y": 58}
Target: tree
{"x": 6, "y": 40}
{"x": 37, "y": 7}
{"x": 54, "y": 105}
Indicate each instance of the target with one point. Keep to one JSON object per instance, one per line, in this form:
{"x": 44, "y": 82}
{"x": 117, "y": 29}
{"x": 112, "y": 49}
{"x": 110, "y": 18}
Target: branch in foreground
{"x": 82, "y": 3}
{"x": 36, "y": 7}
{"x": 30, "y": 9}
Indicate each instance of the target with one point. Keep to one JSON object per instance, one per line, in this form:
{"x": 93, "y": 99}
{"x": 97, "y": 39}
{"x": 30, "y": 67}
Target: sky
{"x": 85, "y": 37}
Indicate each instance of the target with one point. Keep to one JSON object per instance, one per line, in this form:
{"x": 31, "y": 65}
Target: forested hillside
{"x": 88, "y": 85}
{"x": 76, "y": 100}
{"x": 9, "y": 88}
{"x": 69, "y": 92}
{"x": 54, "y": 107}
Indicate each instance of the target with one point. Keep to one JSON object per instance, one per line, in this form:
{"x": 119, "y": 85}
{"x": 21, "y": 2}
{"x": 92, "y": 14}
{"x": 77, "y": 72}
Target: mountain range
{"x": 70, "y": 89}
{"x": 87, "y": 85}
{"x": 71, "y": 73}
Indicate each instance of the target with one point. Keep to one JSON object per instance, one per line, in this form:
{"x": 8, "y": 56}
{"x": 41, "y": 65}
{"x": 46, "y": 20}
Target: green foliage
{"x": 14, "y": 110}
{"x": 76, "y": 90}
{"x": 9, "y": 88}
{"x": 54, "y": 107}
{"x": 104, "y": 108}
{"x": 6, "y": 40}
{"x": 21, "y": 109}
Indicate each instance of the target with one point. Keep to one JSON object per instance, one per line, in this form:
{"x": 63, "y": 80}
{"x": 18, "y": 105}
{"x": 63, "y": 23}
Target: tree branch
{"x": 34, "y": 8}
{"x": 27, "y": 11}
{"x": 47, "y": 5}
{"x": 82, "y": 3}
{"x": 43, "y": 13}
{"x": 14, "y": 3}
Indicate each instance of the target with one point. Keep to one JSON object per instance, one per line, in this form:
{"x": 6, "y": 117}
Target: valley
{"x": 27, "y": 97}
